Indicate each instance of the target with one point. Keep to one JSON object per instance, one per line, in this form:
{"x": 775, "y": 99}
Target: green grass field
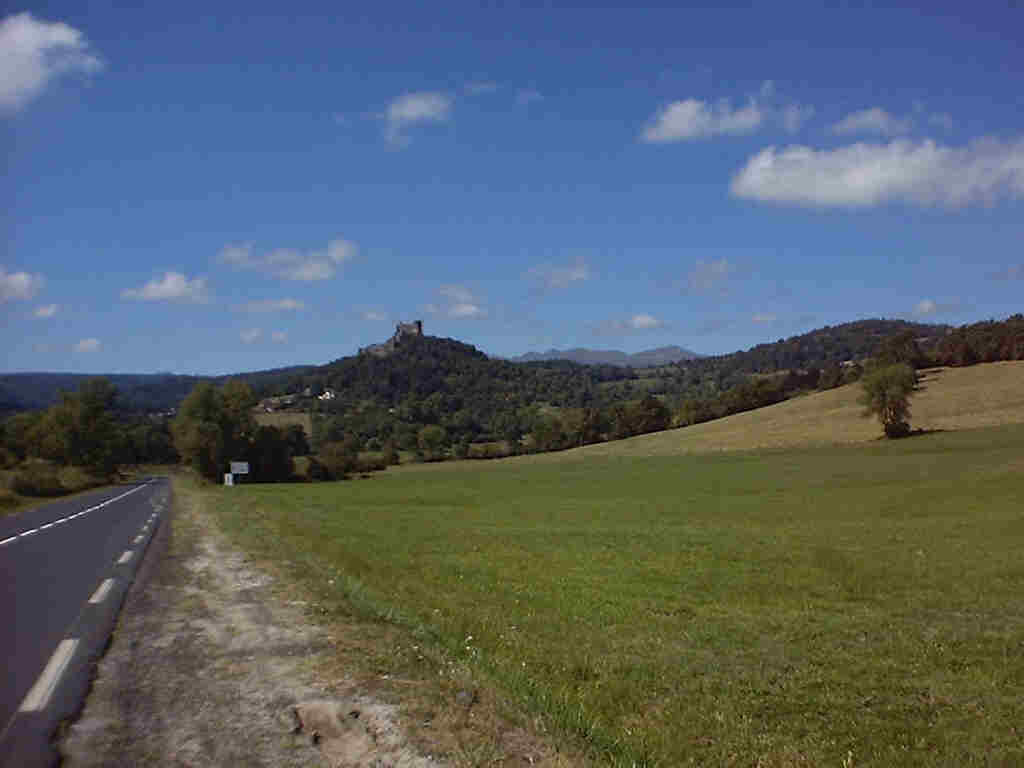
{"x": 850, "y": 605}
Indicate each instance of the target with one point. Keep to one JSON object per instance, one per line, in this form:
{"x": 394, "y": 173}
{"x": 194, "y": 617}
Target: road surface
{"x": 64, "y": 570}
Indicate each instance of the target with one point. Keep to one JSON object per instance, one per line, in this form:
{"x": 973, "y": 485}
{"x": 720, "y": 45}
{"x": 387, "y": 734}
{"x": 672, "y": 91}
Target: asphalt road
{"x": 63, "y": 566}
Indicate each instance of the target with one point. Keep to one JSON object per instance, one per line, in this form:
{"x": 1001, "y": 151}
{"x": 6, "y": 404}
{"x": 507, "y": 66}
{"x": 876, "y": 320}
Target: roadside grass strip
{"x": 39, "y": 696}
{"x": 859, "y": 605}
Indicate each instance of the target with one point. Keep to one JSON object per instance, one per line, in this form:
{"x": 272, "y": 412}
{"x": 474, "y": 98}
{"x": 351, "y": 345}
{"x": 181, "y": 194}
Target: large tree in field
{"x": 887, "y": 392}
{"x": 214, "y": 426}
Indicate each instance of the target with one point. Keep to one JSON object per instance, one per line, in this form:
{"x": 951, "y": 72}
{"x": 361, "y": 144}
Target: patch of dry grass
{"x": 950, "y": 398}
{"x": 283, "y": 419}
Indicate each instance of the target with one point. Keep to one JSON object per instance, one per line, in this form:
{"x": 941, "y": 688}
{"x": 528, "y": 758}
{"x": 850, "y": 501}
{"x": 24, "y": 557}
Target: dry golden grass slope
{"x": 282, "y": 419}
{"x": 950, "y": 398}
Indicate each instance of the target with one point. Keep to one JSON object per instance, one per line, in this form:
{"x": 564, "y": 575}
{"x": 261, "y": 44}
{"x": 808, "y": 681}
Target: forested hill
{"x": 645, "y": 359}
{"x": 462, "y": 378}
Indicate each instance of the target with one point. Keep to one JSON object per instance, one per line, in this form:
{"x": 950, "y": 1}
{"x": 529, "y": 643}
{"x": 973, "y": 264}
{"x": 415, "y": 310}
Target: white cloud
{"x": 457, "y": 293}
{"x": 413, "y": 108}
{"x": 526, "y": 96}
{"x": 47, "y": 310}
{"x": 793, "y": 116}
{"x": 33, "y": 53}
{"x": 375, "y": 317}
{"x": 694, "y": 119}
{"x": 710, "y": 276}
{"x": 290, "y": 263}
{"x": 19, "y": 285}
{"x": 87, "y": 345}
{"x": 552, "y": 276}
{"x": 942, "y": 120}
{"x": 874, "y": 120}
{"x": 466, "y": 310}
{"x": 477, "y": 88}
{"x": 250, "y": 335}
{"x": 635, "y": 323}
{"x": 763, "y": 318}
{"x": 926, "y": 307}
{"x": 279, "y": 337}
{"x": 273, "y": 305}
{"x": 461, "y": 303}
{"x": 861, "y": 175}
{"x": 173, "y": 286}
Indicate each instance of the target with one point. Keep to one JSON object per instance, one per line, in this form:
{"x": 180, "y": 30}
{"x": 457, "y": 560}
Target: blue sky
{"x": 262, "y": 185}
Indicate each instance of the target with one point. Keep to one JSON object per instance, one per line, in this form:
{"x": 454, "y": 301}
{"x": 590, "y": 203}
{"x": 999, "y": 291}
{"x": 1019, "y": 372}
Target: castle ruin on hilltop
{"x": 402, "y": 331}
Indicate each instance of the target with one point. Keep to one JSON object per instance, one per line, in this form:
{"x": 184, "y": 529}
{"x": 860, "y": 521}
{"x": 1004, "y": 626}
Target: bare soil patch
{"x": 209, "y": 666}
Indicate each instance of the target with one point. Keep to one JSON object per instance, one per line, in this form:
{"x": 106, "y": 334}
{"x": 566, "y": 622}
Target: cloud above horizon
{"x": 862, "y": 175}
{"x": 412, "y": 109}
{"x": 34, "y": 53}
{"x": 873, "y": 120}
{"x": 461, "y": 303}
{"x": 20, "y": 286}
{"x": 291, "y": 263}
{"x": 173, "y": 286}
{"x": 88, "y": 345}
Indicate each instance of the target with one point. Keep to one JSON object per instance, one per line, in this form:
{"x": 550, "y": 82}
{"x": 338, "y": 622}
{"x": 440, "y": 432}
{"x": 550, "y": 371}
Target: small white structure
{"x": 229, "y": 479}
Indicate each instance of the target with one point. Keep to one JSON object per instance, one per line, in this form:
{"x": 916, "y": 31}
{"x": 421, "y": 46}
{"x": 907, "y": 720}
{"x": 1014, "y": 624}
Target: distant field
{"x": 852, "y": 605}
{"x": 950, "y": 398}
{"x": 286, "y": 419}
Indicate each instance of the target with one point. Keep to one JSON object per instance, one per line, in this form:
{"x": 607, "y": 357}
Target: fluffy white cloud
{"x": 87, "y": 345}
{"x": 861, "y": 175}
{"x": 874, "y": 120}
{"x": 710, "y": 276}
{"x": 413, "y": 108}
{"x": 374, "y": 317}
{"x": 290, "y": 263}
{"x": 173, "y": 286}
{"x": 552, "y": 276}
{"x": 273, "y": 305}
{"x": 694, "y": 119}
{"x": 926, "y": 307}
{"x": 250, "y": 335}
{"x": 643, "y": 322}
{"x": 19, "y": 285}
{"x": 34, "y": 52}
{"x": 763, "y": 318}
{"x": 279, "y": 337}
{"x": 47, "y": 310}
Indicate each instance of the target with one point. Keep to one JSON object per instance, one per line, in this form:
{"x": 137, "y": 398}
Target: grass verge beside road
{"x": 857, "y": 605}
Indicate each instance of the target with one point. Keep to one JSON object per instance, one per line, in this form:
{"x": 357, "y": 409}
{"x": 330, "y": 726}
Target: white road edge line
{"x": 38, "y": 697}
{"x": 101, "y": 592}
{"x": 125, "y": 557}
{"x": 8, "y": 540}
{"x": 137, "y": 539}
{"x": 28, "y": 532}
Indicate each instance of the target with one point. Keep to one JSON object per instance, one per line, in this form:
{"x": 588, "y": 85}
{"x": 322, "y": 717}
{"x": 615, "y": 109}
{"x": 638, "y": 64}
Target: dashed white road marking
{"x": 9, "y": 539}
{"x": 137, "y": 539}
{"x": 101, "y": 591}
{"x": 38, "y": 697}
{"x": 125, "y": 557}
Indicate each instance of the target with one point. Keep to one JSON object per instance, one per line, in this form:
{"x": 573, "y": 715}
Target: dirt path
{"x": 208, "y": 667}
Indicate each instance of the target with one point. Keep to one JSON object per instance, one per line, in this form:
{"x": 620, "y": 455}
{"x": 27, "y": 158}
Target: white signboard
{"x": 239, "y": 467}
{"x": 229, "y": 479}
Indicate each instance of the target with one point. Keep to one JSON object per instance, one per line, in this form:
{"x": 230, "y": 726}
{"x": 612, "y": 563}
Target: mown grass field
{"x": 850, "y": 605}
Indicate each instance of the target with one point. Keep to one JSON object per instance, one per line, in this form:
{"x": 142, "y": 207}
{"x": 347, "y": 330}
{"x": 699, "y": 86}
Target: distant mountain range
{"x": 645, "y": 359}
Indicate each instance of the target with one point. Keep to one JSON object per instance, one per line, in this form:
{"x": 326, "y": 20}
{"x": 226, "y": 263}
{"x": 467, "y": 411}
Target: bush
{"x": 887, "y": 392}
{"x": 37, "y": 480}
{"x": 316, "y": 471}
{"x": 7, "y": 499}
